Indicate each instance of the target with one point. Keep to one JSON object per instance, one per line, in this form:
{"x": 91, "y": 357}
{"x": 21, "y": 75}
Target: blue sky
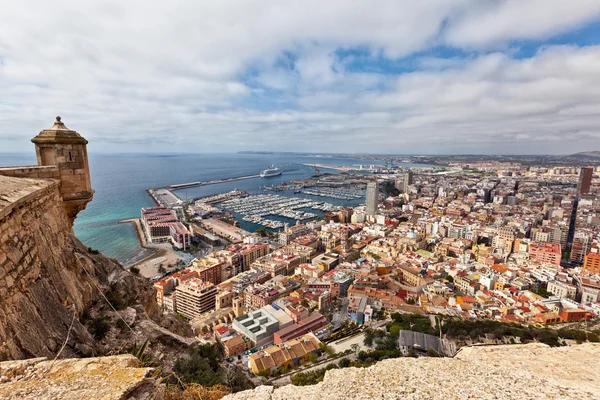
{"x": 405, "y": 77}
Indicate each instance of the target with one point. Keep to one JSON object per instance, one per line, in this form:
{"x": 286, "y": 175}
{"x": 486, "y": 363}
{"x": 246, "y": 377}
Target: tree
{"x": 369, "y": 336}
{"x": 262, "y": 232}
{"x": 236, "y": 380}
{"x": 134, "y": 270}
{"x": 355, "y": 348}
{"x": 344, "y": 363}
{"x": 161, "y": 269}
{"x": 201, "y": 366}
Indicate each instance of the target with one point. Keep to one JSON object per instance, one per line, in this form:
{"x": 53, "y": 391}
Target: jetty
{"x": 217, "y": 181}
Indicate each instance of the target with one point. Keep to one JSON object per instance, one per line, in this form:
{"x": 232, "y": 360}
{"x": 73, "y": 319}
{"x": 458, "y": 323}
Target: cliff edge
{"x": 530, "y": 371}
{"x": 48, "y": 278}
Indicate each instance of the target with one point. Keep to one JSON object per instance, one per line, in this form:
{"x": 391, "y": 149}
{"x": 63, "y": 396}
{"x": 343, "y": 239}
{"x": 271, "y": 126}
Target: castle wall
{"x": 35, "y": 171}
{"x": 41, "y": 283}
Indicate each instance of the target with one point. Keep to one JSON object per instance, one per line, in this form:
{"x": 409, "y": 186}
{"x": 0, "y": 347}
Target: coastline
{"x": 138, "y": 229}
{"x": 149, "y": 265}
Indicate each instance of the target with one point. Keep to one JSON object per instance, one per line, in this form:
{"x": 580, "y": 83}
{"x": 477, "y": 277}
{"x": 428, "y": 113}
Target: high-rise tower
{"x": 585, "y": 180}
{"x": 66, "y": 149}
{"x": 372, "y": 197}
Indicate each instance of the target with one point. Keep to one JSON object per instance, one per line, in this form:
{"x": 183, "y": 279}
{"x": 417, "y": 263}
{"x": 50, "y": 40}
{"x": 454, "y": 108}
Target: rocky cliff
{"x": 48, "y": 278}
{"x": 532, "y": 371}
{"x": 105, "y": 378}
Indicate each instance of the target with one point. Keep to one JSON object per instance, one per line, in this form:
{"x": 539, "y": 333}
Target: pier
{"x": 216, "y": 181}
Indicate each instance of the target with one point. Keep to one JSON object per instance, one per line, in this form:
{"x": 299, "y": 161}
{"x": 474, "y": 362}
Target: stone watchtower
{"x": 66, "y": 149}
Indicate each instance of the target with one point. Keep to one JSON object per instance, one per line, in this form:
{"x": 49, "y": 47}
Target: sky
{"x": 341, "y": 76}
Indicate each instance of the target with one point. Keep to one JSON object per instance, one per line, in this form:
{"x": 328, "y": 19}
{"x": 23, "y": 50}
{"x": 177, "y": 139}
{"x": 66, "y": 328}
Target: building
{"x": 260, "y": 325}
{"x": 283, "y": 261}
{"x": 235, "y": 345}
{"x": 357, "y": 307}
{"x": 166, "y": 286}
{"x": 372, "y": 197}
{"x": 156, "y": 222}
{"x": 591, "y": 264}
{"x": 335, "y": 282}
{"x": 407, "y": 180}
{"x": 326, "y": 261}
{"x": 582, "y": 243}
{"x": 260, "y": 295}
{"x": 585, "y": 180}
{"x": 249, "y": 252}
{"x": 180, "y": 236}
{"x": 292, "y": 232}
{"x": 209, "y": 269}
{"x": 288, "y": 353}
{"x": 545, "y": 253}
{"x": 574, "y": 315}
{"x": 224, "y": 299}
{"x": 195, "y": 297}
{"x": 561, "y": 289}
{"x": 312, "y": 323}
{"x": 411, "y": 275}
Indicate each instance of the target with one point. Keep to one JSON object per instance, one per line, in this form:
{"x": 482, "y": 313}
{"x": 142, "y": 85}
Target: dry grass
{"x": 196, "y": 392}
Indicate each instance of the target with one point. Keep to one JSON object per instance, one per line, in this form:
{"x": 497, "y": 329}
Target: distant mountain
{"x": 586, "y": 155}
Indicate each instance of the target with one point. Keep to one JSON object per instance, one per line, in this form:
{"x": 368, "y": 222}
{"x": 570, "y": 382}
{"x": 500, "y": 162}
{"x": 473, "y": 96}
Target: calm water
{"x": 120, "y": 182}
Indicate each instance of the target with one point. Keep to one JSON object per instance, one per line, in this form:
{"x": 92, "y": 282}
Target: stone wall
{"x": 48, "y": 278}
{"x": 34, "y": 172}
{"x": 41, "y": 283}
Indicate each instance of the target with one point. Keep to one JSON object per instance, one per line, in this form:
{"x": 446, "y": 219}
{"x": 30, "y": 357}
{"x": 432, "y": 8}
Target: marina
{"x": 254, "y": 209}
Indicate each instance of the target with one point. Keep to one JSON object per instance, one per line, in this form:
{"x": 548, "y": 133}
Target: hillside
{"x": 52, "y": 286}
{"x": 592, "y": 155}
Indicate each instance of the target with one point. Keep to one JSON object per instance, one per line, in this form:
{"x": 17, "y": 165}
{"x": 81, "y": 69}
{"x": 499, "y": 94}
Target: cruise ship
{"x": 269, "y": 172}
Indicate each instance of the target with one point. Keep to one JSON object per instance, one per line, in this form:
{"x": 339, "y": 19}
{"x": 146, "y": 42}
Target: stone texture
{"x": 47, "y": 275}
{"x": 532, "y": 371}
{"x": 106, "y": 378}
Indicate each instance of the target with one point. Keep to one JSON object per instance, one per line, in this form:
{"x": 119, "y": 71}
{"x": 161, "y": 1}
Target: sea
{"x": 121, "y": 181}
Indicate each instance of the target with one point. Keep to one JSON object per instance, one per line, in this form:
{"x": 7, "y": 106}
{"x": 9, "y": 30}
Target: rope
{"x": 63, "y": 346}
{"x": 109, "y": 303}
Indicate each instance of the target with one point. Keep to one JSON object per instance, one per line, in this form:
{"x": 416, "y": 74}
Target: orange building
{"x": 574, "y": 314}
{"x": 591, "y": 265}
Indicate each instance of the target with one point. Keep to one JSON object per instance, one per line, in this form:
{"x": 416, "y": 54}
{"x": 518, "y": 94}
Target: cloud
{"x": 435, "y": 76}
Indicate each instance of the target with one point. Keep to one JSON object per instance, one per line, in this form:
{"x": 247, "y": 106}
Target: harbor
{"x": 254, "y": 209}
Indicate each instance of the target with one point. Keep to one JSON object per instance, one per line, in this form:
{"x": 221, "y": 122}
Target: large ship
{"x": 269, "y": 172}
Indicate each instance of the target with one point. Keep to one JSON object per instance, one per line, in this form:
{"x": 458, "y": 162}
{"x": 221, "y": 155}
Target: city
{"x": 300, "y": 200}
{"x": 492, "y": 240}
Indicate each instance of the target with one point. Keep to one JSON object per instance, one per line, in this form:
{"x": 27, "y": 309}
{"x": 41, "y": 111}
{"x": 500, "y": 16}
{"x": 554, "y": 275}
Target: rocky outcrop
{"x": 532, "y": 371}
{"x": 106, "y": 378}
{"x": 48, "y": 278}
